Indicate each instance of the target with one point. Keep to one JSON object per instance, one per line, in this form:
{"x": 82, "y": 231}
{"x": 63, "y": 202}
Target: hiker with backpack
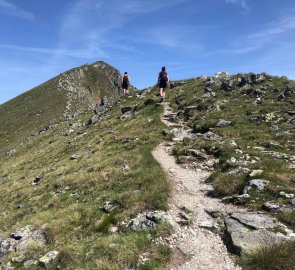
{"x": 163, "y": 82}
{"x": 125, "y": 79}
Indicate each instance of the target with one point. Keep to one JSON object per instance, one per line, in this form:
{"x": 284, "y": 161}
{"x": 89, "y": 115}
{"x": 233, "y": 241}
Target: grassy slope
{"x": 97, "y": 176}
{"x": 248, "y": 136}
{"x": 45, "y": 105}
{"x": 239, "y": 109}
{"x": 23, "y": 115}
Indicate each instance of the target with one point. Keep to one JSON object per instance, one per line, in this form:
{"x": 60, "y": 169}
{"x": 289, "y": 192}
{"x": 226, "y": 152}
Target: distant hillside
{"x": 69, "y": 94}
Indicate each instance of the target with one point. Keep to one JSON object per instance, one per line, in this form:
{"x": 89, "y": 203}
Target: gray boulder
{"x": 109, "y": 206}
{"x": 49, "y": 259}
{"x": 271, "y": 206}
{"x": 223, "y": 123}
{"x": 6, "y": 245}
{"x": 141, "y": 223}
{"x": 149, "y": 220}
{"x": 243, "y": 239}
{"x": 256, "y": 184}
{"x": 24, "y": 232}
{"x": 93, "y": 120}
{"x": 189, "y": 111}
{"x": 239, "y": 171}
{"x": 30, "y": 236}
{"x": 196, "y": 154}
{"x": 20, "y": 241}
{"x": 75, "y": 156}
{"x": 255, "y": 220}
{"x": 227, "y": 85}
{"x": 237, "y": 199}
{"x": 30, "y": 263}
{"x": 211, "y": 136}
{"x": 38, "y": 178}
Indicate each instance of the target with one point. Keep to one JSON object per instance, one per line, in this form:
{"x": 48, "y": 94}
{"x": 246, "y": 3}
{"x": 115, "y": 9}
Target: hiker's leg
{"x": 164, "y": 92}
{"x": 161, "y": 92}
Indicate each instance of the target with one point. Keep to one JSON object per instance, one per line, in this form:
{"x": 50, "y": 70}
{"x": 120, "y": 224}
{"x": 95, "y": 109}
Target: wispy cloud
{"x": 93, "y": 25}
{"x": 10, "y": 9}
{"x": 272, "y": 34}
{"x": 56, "y": 52}
{"x": 283, "y": 25}
{"x": 242, "y": 3}
{"x": 90, "y": 28}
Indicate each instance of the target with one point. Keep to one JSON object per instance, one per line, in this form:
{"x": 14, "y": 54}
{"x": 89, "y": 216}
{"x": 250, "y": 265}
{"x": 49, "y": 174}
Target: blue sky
{"x": 40, "y": 39}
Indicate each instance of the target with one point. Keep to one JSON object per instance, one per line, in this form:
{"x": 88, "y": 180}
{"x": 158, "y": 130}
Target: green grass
{"x": 239, "y": 109}
{"x": 287, "y": 217}
{"x": 77, "y": 227}
{"x": 280, "y": 256}
{"x": 250, "y": 136}
{"x": 69, "y": 197}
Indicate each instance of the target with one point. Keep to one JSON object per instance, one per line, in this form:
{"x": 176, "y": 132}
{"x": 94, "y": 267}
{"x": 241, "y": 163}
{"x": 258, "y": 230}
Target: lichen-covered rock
{"x": 256, "y": 184}
{"x": 255, "y": 173}
{"x": 239, "y": 171}
{"x": 223, "y": 123}
{"x": 237, "y": 199}
{"x": 271, "y": 206}
{"x": 286, "y": 195}
{"x": 255, "y": 220}
{"x": 197, "y": 154}
{"x": 149, "y": 220}
{"x": 49, "y": 259}
{"x": 30, "y": 263}
{"x": 38, "y": 178}
{"x": 109, "y": 206}
{"x": 36, "y": 237}
{"x": 24, "y": 232}
{"x": 6, "y": 245}
{"x": 244, "y": 240}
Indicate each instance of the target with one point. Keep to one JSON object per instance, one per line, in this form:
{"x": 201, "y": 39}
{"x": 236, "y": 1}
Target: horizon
{"x": 195, "y": 38}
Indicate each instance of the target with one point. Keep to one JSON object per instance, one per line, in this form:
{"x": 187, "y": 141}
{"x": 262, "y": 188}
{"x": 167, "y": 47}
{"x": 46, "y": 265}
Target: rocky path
{"x": 199, "y": 246}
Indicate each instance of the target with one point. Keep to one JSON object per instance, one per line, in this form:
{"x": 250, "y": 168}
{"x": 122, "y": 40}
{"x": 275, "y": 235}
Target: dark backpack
{"x": 125, "y": 79}
{"x": 163, "y": 76}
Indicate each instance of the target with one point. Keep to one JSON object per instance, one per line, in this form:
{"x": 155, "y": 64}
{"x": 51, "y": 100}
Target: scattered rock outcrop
{"x": 20, "y": 241}
{"x": 256, "y": 184}
{"x": 246, "y": 232}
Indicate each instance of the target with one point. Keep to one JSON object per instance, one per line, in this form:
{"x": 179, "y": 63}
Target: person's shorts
{"x": 125, "y": 85}
{"x": 163, "y": 84}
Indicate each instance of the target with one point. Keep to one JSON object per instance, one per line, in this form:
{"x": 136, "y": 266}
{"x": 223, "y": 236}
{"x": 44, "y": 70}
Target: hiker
{"x": 163, "y": 82}
{"x": 125, "y": 79}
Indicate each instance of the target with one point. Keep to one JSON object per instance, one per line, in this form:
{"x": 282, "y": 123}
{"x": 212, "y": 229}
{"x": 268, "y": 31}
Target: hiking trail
{"x": 194, "y": 246}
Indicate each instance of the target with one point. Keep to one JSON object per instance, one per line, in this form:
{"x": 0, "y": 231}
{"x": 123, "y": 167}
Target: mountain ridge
{"x": 73, "y": 92}
{"x": 85, "y": 188}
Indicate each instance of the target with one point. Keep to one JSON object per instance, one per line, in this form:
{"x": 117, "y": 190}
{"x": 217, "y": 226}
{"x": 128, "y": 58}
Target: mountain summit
{"x": 71, "y": 93}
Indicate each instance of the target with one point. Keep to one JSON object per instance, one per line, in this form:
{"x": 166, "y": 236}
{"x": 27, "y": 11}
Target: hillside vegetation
{"x": 73, "y": 187}
{"x": 74, "y": 183}
{"x": 56, "y": 100}
{"x": 243, "y": 130}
